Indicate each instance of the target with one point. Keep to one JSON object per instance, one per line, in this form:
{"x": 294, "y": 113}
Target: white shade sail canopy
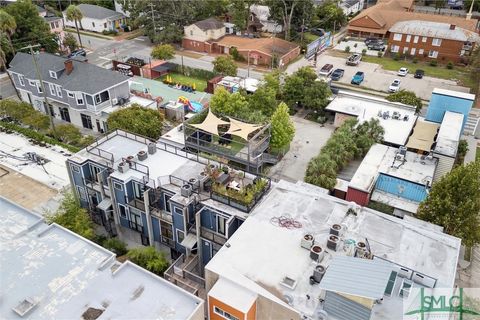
{"x": 210, "y": 124}
{"x": 241, "y": 129}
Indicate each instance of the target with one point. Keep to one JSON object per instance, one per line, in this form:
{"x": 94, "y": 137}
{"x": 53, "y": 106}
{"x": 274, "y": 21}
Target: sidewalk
{"x": 472, "y": 149}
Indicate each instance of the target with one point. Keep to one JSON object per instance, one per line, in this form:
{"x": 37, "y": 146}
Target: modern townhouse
{"x": 77, "y": 92}
{"x": 157, "y": 194}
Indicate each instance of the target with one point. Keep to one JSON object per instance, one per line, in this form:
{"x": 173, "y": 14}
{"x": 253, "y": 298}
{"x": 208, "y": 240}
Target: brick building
{"x": 377, "y": 20}
{"x": 431, "y": 40}
{"x": 209, "y": 36}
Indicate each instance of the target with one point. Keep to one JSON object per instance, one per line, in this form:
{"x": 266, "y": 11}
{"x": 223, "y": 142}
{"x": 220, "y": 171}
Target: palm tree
{"x": 7, "y": 26}
{"x": 74, "y": 14}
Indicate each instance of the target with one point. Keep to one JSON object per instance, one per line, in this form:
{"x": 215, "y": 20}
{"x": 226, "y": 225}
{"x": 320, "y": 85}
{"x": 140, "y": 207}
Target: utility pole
{"x": 248, "y": 61}
{"x": 39, "y": 75}
{"x": 153, "y": 20}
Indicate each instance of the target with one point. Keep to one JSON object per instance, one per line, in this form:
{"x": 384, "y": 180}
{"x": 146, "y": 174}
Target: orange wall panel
{"x": 225, "y": 307}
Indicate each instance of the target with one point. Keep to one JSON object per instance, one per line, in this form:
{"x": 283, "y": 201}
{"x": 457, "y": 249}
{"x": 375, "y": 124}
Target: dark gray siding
{"x": 343, "y": 308}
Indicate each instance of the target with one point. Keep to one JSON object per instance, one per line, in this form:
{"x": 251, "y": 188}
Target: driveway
{"x": 378, "y": 79}
{"x": 309, "y": 138}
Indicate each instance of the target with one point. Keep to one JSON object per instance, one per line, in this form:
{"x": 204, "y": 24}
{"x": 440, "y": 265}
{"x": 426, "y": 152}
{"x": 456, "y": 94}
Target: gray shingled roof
{"x": 358, "y": 277}
{"x": 85, "y": 77}
{"x": 97, "y": 12}
{"x": 209, "y": 24}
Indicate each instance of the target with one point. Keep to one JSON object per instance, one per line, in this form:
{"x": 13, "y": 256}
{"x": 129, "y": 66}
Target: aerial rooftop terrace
{"x": 49, "y": 272}
{"x": 277, "y": 253}
{"x": 397, "y": 119}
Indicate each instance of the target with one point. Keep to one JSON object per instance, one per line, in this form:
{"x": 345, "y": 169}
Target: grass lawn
{"x": 310, "y": 36}
{"x": 234, "y": 147}
{"x": 477, "y": 155}
{"x": 440, "y": 71}
{"x": 200, "y": 84}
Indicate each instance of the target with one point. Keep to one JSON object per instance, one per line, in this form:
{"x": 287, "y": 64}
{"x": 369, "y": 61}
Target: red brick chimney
{"x": 68, "y": 66}
{"x": 452, "y": 26}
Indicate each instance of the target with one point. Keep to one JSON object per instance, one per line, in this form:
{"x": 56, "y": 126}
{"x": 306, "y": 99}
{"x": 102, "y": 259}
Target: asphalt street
{"x": 102, "y": 51}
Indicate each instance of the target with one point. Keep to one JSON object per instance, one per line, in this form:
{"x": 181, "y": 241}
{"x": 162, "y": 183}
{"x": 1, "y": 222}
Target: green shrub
{"x": 355, "y": 45}
{"x": 396, "y": 56}
{"x": 433, "y": 63}
{"x": 115, "y": 245}
{"x": 110, "y": 32}
{"x": 347, "y": 49}
{"x": 236, "y": 55}
{"x": 364, "y": 51}
{"x": 149, "y": 258}
{"x": 415, "y": 60}
{"x": 379, "y": 54}
{"x": 450, "y": 65}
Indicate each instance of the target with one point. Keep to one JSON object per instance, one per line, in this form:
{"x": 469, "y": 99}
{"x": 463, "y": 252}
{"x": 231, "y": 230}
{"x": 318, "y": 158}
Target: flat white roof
{"x": 49, "y": 272}
{"x": 175, "y": 136}
{"x": 366, "y": 107}
{"x": 381, "y": 159}
{"x": 238, "y": 297}
{"x": 146, "y": 103}
{"x": 53, "y": 173}
{"x": 452, "y": 93}
{"x": 276, "y": 252}
{"x": 449, "y": 134}
{"x": 395, "y": 201}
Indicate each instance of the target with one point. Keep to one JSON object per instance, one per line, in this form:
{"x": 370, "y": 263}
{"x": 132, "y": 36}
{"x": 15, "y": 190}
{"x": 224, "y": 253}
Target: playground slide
{"x": 192, "y": 105}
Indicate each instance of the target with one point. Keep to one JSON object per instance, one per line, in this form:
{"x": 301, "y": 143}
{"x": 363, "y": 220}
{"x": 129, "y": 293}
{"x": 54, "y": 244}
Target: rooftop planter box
{"x": 243, "y": 199}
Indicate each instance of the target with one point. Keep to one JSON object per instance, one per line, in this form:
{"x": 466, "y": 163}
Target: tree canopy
{"x": 73, "y": 217}
{"x": 163, "y": 52}
{"x": 454, "y": 203}
{"x": 406, "y": 97}
{"x": 73, "y": 13}
{"x": 31, "y": 28}
{"x": 225, "y": 65}
{"x": 329, "y": 15}
{"x": 301, "y": 87}
{"x": 282, "y": 128}
{"x": 137, "y": 119}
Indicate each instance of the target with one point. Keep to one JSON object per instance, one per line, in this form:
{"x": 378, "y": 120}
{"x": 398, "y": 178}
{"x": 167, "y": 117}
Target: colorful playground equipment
{"x": 188, "y": 88}
{"x": 191, "y": 105}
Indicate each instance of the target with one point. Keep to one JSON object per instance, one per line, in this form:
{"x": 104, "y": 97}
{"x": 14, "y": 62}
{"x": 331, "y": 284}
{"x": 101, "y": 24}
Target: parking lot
{"x": 376, "y": 78}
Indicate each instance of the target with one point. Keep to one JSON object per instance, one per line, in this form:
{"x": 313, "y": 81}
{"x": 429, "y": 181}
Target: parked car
{"x": 326, "y": 70}
{"x": 370, "y": 40}
{"x": 354, "y": 59}
{"x": 317, "y": 31}
{"x": 402, "y": 72}
{"x": 379, "y": 46}
{"x": 358, "y": 78}
{"x": 337, "y": 74}
{"x": 419, "y": 73}
{"x": 78, "y": 52}
{"x": 395, "y": 86}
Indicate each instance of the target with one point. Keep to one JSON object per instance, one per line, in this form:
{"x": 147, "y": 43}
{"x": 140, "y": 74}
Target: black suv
{"x": 337, "y": 74}
{"x": 419, "y": 74}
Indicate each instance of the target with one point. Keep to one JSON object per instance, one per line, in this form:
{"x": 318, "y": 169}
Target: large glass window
{"x": 397, "y": 37}
{"x": 167, "y": 203}
{"x": 64, "y": 114}
{"x": 137, "y": 190}
{"x": 221, "y": 221}
{"x": 51, "y": 86}
{"x": 86, "y": 121}
{"x": 21, "y": 80}
{"x": 436, "y": 42}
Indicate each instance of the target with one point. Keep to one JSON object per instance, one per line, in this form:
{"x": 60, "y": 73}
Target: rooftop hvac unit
{"x": 316, "y": 253}
{"x": 318, "y": 273}
{"x": 202, "y": 178}
{"x": 152, "y": 147}
{"x": 194, "y": 182}
{"x": 399, "y": 157}
{"x": 142, "y": 155}
{"x": 332, "y": 242}
{"x": 360, "y": 249}
{"x": 130, "y": 160}
{"x": 402, "y": 150}
{"x": 123, "y": 167}
{"x": 114, "y": 101}
{"x": 336, "y": 229}
{"x": 307, "y": 241}
{"x": 186, "y": 190}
